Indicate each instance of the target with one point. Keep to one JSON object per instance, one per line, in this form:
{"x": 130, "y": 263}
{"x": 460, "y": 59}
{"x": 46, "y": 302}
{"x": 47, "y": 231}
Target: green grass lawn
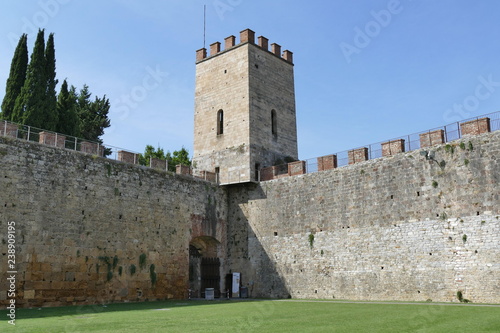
{"x": 256, "y": 316}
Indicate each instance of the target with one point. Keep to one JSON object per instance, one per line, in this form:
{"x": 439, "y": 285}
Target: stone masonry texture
{"x": 395, "y": 228}
{"x": 403, "y": 227}
{"x": 83, "y": 223}
{"x": 237, "y": 82}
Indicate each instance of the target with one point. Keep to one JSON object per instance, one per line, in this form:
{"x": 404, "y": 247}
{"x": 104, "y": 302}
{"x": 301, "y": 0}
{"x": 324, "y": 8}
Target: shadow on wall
{"x": 245, "y": 253}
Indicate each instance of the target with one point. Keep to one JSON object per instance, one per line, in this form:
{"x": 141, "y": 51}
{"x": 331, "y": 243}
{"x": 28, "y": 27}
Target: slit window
{"x": 274, "y": 123}
{"x": 220, "y": 122}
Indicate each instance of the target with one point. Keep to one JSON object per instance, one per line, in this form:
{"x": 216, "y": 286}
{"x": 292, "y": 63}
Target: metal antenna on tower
{"x": 204, "y": 23}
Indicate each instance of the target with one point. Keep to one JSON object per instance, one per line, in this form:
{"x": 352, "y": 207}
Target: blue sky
{"x": 365, "y": 71}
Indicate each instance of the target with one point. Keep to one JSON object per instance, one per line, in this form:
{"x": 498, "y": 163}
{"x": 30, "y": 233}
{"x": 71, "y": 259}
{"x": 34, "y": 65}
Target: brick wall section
{"x": 382, "y": 230}
{"x": 214, "y": 48}
{"x": 288, "y": 56}
{"x": 247, "y": 35}
{"x": 229, "y": 42}
{"x": 327, "y": 162}
{"x": 52, "y": 139}
{"x": 276, "y": 49}
{"x": 201, "y": 54}
{"x": 358, "y": 155}
{"x": 296, "y": 168}
{"x": 8, "y": 129}
{"x": 128, "y": 157}
{"x": 431, "y": 138}
{"x": 98, "y": 209}
{"x": 263, "y": 42}
{"x": 393, "y": 147}
{"x": 475, "y": 127}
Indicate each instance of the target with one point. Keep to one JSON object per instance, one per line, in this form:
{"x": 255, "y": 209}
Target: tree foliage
{"x": 68, "y": 123}
{"x": 93, "y": 115}
{"x": 177, "y": 157}
{"x": 31, "y": 97}
{"x": 151, "y": 152}
{"x": 51, "y": 83}
{"x": 16, "y": 79}
{"x": 32, "y": 106}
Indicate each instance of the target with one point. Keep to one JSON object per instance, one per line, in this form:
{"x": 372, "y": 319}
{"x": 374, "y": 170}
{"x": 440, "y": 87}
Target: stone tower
{"x": 244, "y": 108}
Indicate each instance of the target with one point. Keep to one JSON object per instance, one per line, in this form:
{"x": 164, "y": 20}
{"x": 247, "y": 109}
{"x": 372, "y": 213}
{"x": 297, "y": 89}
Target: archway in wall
{"x": 204, "y": 266}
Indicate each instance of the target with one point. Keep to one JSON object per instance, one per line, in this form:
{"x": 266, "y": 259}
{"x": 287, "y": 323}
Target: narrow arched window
{"x": 220, "y": 122}
{"x": 274, "y": 123}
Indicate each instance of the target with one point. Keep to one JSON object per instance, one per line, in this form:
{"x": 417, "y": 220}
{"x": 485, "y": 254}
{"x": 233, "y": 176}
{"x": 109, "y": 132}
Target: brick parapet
{"x": 52, "y": 139}
{"x": 128, "y": 157}
{"x": 431, "y": 138}
{"x": 358, "y": 155}
{"x": 393, "y": 147}
{"x": 475, "y": 127}
{"x": 327, "y": 162}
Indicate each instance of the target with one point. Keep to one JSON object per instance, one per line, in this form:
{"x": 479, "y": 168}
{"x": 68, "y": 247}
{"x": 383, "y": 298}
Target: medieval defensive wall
{"x": 417, "y": 225}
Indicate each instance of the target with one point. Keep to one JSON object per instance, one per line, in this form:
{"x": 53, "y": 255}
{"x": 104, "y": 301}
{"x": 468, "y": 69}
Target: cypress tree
{"x": 93, "y": 115}
{"x": 51, "y": 115}
{"x": 68, "y": 122}
{"x": 31, "y": 103}
{"x": 16, "y": 79}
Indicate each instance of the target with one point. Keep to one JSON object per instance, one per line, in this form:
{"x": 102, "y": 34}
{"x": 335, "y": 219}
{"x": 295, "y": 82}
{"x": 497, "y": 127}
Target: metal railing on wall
{"x": 50, "y": 138}
{"x": 454, "y": 131}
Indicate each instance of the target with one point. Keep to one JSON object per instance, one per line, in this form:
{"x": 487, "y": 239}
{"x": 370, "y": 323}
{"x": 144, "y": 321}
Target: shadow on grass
{"x": 32, "y": 313}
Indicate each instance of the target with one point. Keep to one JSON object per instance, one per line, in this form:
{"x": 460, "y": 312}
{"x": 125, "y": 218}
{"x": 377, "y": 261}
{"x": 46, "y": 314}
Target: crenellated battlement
{"x": 451, "y": 132}
{"x": 247, "y": 36}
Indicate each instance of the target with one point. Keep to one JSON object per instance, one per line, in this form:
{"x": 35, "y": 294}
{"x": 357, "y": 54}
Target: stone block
{"x": 52, "y": 139}
{"x": 358, "y": 155}
{"x": 431, "y": 138}
{"x": 475, "y": 127}
{"x": 327, "y": 162}
{"x": 393, "y": 147}
{"x": 29, "y": 294}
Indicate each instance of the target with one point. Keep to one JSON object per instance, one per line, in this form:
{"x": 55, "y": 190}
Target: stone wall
{"x": 89, "y": 229}
{"x": 414, "y": 226}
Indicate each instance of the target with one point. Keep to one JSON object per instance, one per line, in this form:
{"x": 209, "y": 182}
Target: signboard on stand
{"x": 236, "y": 285}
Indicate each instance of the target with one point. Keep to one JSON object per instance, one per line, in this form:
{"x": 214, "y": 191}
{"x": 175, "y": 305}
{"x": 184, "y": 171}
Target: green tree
{"x": 151, "y": 152}
{"x": 68, "y": 122}
{"x": 177, "y": 157}
{"x": 31, "y": 104}
{"x": 16, "y": 79}
{"x": 93, "y": 115}
{"x": 50, "y": 74}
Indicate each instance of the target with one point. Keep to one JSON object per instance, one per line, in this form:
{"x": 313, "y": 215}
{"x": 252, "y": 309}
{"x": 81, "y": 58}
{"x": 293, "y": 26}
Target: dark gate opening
{"x": 210, "y": 274}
